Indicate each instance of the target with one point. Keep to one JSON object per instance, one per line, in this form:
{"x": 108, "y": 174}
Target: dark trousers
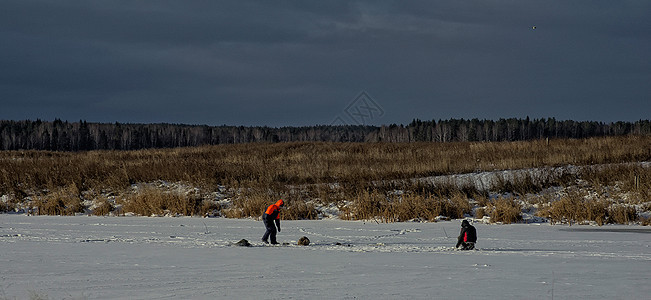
{"x": 467, "y": 245}
{"x": 271, "y": 230}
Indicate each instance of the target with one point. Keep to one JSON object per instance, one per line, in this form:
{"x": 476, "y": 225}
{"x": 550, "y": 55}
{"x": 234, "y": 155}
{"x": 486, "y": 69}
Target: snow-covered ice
{"x": 84, "y": 257}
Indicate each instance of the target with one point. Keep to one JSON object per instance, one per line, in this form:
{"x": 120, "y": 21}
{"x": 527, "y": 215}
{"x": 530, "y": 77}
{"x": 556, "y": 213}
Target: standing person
{"x": 271, "y": 216}
{"x": 467, "y": 237}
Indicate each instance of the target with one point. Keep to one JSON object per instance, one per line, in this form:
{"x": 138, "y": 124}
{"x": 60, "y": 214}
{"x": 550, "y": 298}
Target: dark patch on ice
{"x": 304, "y": 241}
{"x": 243, "y": 243}
{"x": 95, "y": 241}
{"x": 536, "y": 250}
{"x": 627, "y": 230}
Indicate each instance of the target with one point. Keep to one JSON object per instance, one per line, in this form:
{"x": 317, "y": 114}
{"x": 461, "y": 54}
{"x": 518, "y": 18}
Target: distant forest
{"x": 81, "y": 136}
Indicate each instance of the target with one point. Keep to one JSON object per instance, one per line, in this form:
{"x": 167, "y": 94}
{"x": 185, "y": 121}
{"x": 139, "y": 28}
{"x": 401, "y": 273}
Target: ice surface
{"x": 86, "y": 257}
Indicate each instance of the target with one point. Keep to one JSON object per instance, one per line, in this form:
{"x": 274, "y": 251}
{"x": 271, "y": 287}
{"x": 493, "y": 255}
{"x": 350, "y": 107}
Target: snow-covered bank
{"x": 194, "y": 258}
{"x": 487, "y": 180}
{"x": 532, "y": 195}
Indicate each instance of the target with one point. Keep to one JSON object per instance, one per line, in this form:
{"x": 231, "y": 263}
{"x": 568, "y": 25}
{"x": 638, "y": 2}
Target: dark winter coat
{"x": 468, "y": 234}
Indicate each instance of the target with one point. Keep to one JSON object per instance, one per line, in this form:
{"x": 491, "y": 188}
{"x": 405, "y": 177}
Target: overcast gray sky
{"x": 292, "y": 63}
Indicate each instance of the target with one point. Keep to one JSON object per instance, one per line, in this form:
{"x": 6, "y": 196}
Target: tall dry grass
{"x": 365, "y": 173}
{"x": 60, "y": 201}
{"x": 303, "y": 163}
{"x": 505, "y": 210}
{"x": 580, "y": 207}
{"x": 149, "y": 201}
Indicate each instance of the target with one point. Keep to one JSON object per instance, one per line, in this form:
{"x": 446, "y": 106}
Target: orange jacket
{"x": 275, "y": 208}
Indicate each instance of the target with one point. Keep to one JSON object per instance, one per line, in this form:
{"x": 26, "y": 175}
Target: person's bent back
{"x": 269, "y": 217}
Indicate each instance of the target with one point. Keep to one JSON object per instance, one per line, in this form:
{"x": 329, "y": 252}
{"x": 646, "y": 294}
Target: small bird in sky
{"x": 533, "y": 27}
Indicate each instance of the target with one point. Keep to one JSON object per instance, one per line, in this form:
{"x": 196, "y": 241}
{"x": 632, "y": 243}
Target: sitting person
{"x": 467, "y": 237}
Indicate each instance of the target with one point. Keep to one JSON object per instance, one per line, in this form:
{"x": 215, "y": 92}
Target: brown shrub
{"x": 414, "y": 206}
{"x": 645, "y": 221}
{"x": 7, "y": 204}
{"x": 575, "y": 208}
{"x": 251, "y": 204}
{"x": 149, "y": 201}
{"x": 62, "y": 201}
{"x": 210, "y": 208}
{"x": 411, "y": 206}
{"x": 461, "y": 204}
{"x": 368, "y": 205}
{"x": 506, "y": 210}
{"x": 595, "y": 210}
{"x": 480, "y": 213}
{"x": 563, "y": 210}
{"x": 299, "y": 210}
{"x": 622, "y": 214}
{"x": 50, "y": 206}
{"x": 408, "y": 206}
{"x": 482, "y": 199}
{"x": 103, "y": 207}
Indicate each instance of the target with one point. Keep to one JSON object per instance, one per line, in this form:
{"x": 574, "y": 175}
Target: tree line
{"x": 61, "y": 135}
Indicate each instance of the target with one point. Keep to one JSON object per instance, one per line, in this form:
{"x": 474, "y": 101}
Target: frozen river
{"x": 194, "y": 258}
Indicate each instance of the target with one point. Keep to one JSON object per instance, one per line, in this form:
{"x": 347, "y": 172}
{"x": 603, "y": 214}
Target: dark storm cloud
{"x": 302, "y": 62}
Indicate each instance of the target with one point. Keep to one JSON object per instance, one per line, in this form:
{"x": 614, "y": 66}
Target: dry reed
{"x": 364, "y": 173}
